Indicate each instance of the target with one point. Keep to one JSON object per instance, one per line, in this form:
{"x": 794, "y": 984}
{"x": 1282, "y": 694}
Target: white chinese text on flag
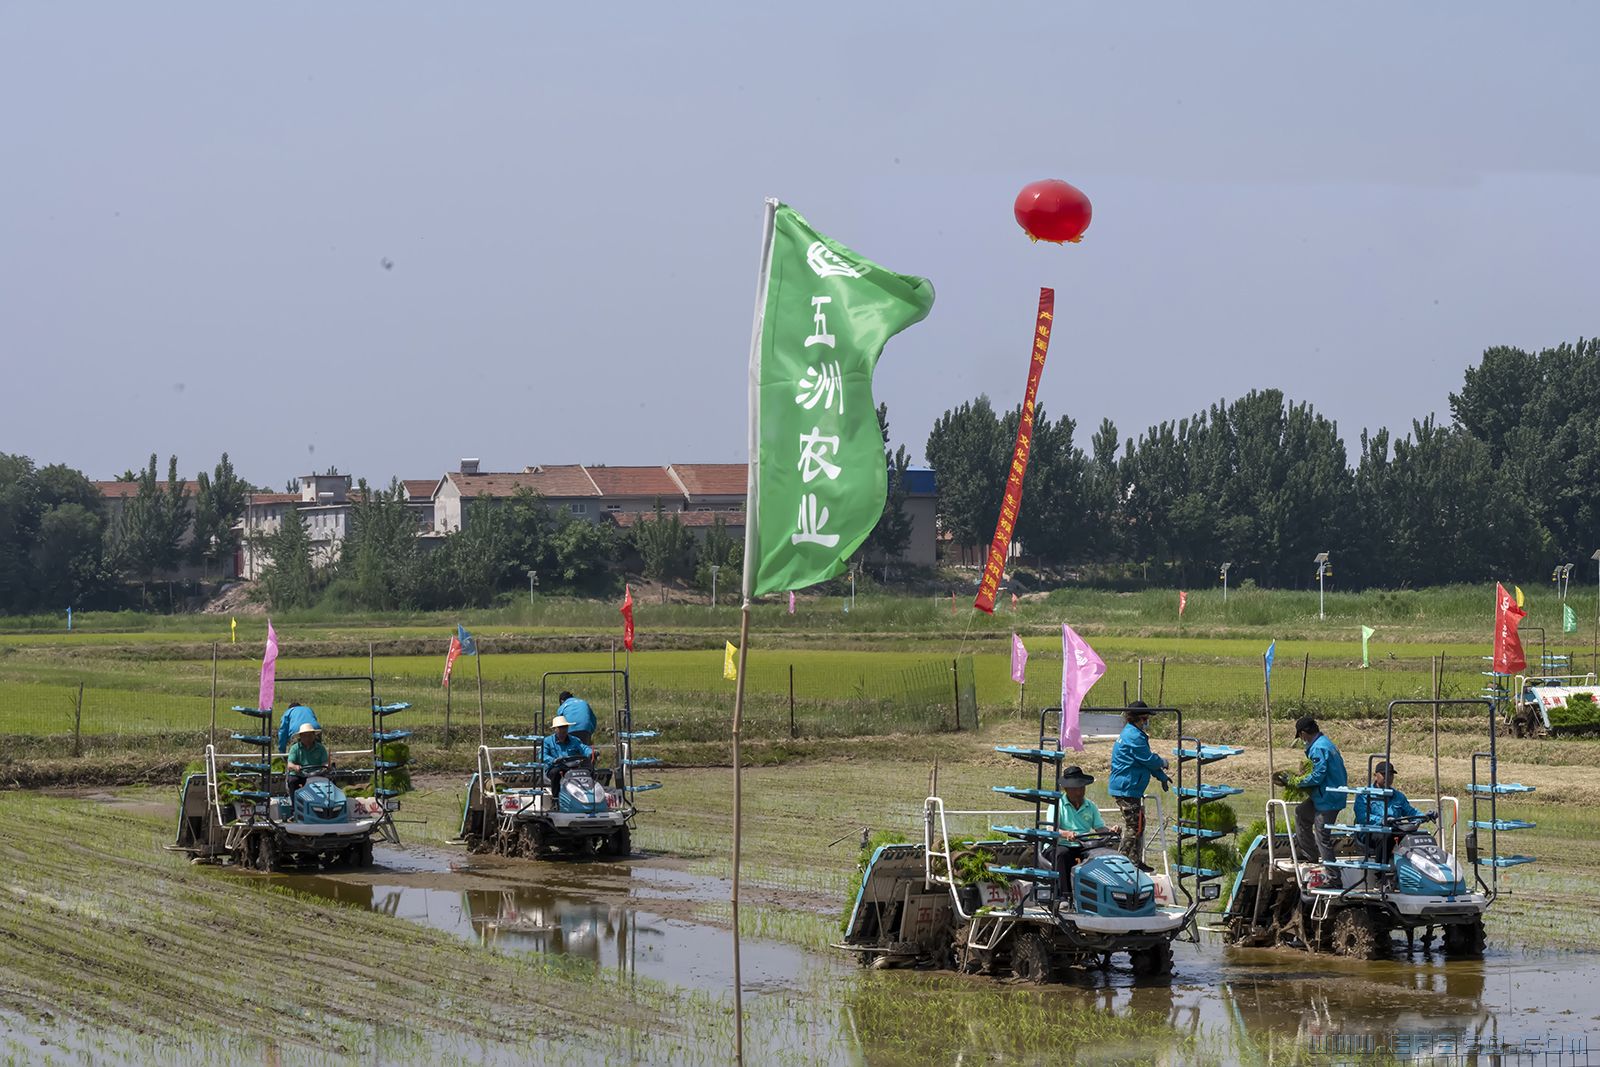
{"x": 1080, "y": 669}
{"x": 818, "y": 480}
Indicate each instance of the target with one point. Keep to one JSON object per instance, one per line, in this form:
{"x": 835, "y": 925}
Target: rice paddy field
{"x": 114, "y": 949}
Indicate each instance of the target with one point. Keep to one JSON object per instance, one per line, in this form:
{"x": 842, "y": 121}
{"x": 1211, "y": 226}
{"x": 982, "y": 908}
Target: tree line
{"x": 1508, "y": 486}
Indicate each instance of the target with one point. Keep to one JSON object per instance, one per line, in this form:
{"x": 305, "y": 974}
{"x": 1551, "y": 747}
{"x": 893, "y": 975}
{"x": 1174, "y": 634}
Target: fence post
{"x": 447, "y": 716}
{"x": 1138, "y": 687}
{"x": 955, "y": 692}
{"x": 1161, "y": 685}
{"x": 792, "y": 733}
{"x": 77, "y": 723}
{"x": 1305, "y": 672}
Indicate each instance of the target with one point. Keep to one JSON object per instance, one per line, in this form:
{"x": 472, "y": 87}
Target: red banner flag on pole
{"x": 1011, "y": 503}
{"x": 450, "y": 659}
{"x": 1508, "y": 657}
{"x": 1183, "y": 602}
{"x": 627, "y": 617}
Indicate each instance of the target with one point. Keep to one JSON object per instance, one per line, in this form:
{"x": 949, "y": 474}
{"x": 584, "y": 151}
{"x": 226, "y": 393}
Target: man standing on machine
{"x": 1132, "y": 766}
{"x": 1321, "y": 808}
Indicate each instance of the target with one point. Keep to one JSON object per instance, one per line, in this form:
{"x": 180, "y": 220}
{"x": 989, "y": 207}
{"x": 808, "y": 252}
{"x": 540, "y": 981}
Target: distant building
{"x": 114, "y": 497}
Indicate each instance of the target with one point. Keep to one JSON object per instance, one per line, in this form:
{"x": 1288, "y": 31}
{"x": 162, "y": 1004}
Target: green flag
{"x": 818, "y": 479}
{"x": 1366, "y": 635}
{"x": 1569, "y": 620}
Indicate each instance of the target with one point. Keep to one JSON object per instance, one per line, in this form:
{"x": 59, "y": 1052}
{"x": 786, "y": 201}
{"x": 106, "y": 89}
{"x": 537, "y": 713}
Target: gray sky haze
{"x": 1345, "y": 202}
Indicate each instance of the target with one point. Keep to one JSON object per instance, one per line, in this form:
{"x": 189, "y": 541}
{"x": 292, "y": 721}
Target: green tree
{"x": 665, "y": 546}
{"x": 1055, "y": 489}
{"x": 219, "y": 503}
{"x": 19, "y": 529}
{"x": 154, "y": 523}
{"x": 379, "y": 558}
{"x": 581, "y": 552}
{"x": 290, "y": 577}
{"x": 68, "y": 557}
{"x": 890, "y": 538}
{"x": 967, "y": 451}
{"x": 724, "y": 551}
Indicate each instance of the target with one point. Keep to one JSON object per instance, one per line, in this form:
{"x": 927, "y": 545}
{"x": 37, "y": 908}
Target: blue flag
{"x": 1272, "y": 650}
{"x": 469, "y": 647}
{"x": 69, "y": 618}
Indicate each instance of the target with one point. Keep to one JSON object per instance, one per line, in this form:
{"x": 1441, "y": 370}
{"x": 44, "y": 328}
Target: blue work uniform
{"x": 1327, "y": 774}
{"x": 1372, "y": 811}
{"x": 297, "y": 716}
{"x": 580, "y": 715}
{"x": 1133, "y": 764}
{"x": 554, "y": 750}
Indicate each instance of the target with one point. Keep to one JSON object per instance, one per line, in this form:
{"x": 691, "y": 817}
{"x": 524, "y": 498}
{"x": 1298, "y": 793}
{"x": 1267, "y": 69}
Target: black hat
{"x": 1383, "y": 767}
{"x": 1136, "y": 709}
{"x": 564, "y": 697}
{"x": 1073, "y": 777}
{"x": 1305, "y": 724}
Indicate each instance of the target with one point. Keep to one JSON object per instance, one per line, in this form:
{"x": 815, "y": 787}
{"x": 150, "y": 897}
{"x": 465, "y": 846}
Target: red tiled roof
{"x": 635, "y": 481}
{"x": 125, "y": 490}
{"x": 273, "y": 498}
{"x": 692, "y": 520}
{"x": 561, "y": 481}
{"x": 420, "y": 488}
{"x": 713, "y": 479}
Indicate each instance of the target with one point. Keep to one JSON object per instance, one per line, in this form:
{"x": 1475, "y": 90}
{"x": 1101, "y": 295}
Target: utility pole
{"x": 714, "y": 569}
{"x": 1225, "y": 567}
{"x": 1324, "y": 568}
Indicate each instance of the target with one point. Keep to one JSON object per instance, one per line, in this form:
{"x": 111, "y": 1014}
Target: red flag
{"x": 1011, "y": 503}
{"x": 627, "y": 617}
{"x": 1508, "y": 657}
{"x": 1183, "y": 602}
{"x": 450, "y": 658}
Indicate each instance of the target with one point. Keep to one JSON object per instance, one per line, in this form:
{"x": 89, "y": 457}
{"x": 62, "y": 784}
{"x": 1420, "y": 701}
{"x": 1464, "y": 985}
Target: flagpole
{"x": 1266, "y": 702}
{"x": 477, "y": 661}
{"x": 751, "y": 544}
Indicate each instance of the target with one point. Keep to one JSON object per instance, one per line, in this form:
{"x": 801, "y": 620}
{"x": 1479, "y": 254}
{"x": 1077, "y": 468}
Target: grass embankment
{"x": 1448, "y": 613}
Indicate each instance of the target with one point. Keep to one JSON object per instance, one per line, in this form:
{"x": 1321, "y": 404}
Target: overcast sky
{"x": 1348, "y": 202}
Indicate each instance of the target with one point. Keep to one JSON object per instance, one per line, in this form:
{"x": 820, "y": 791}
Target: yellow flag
{"x": 1518, "y": 589}
{"x": 233, "y": 631}
{"x": 730, "y": 664}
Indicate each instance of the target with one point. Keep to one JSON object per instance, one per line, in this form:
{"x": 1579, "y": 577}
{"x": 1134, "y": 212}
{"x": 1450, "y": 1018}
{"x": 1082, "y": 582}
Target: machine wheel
{"x": 1030, "y": 957}
{"x": 529, "y": 840}
{"x": 1464, "y": 939}
{"x": 361, "y": 855}
{"x": 1153, "y": 961}
{"x": 266, "y": 853}
{"x": 1358, "y": 935}
{"x": 964, "y": 958}
{"x": 620, "y": 844}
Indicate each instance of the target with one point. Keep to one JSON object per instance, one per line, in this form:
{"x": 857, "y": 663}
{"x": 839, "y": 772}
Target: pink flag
{"x": 269, "y": 669}
{"x": 1019, "y": 659}
{"x": 1183, "y": 602}
{"x": 791, "y": 602}
{"x": 450, "y": 658}
{"x": 1080, "y": 669}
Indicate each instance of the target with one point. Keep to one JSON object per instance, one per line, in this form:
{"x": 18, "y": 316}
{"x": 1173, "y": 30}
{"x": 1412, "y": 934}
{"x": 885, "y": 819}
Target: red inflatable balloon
{"x": 1051, "y": 210}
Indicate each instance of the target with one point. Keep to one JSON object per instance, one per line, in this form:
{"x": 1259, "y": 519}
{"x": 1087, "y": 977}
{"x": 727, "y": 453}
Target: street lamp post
{"x": 714, "y": 569}
{"x": 1225, "y": 567}
{"x": 533, "y": 581}
{"x": 852, "y": 587}
{"x": 1323, "y": 569}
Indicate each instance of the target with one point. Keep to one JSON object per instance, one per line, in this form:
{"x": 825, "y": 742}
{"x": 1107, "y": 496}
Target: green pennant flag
{"x": 818, "y": 480}
{"x": 1366, "y": 635}
{"x": 1569, "y": 620}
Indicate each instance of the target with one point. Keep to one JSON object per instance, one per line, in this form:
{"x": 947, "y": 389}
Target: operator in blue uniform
{"x": 1132, "y": 767}
{"x": 297, "y": 716}
{"x": 561, "y": 745}
{"x": 580, "y": 715}
{"x": 1376, "y": 811}
{"x": 1320, "y": 810}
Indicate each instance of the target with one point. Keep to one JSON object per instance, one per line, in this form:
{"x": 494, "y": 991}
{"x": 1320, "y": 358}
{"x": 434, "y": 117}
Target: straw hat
{"x": 560, "y": 720}
{"x": 307, "y": 728}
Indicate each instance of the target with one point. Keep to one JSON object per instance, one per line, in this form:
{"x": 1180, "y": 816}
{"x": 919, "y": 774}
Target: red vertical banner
{"x": 1508, "y": 655}
{"x": 1011, "y": 504}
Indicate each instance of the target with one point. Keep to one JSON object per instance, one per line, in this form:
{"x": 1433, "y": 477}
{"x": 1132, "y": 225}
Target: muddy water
{"x": 638, "y": 919}
{"x": 635, "y": 918}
